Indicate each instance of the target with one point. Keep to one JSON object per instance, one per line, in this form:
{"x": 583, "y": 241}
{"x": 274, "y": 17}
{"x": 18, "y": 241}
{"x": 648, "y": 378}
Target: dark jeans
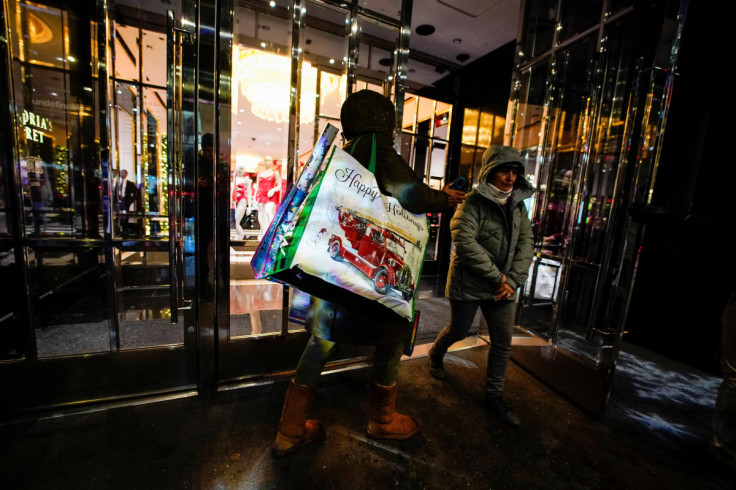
{"x": 500, "y": 318}
{"x": 387, "y": 360}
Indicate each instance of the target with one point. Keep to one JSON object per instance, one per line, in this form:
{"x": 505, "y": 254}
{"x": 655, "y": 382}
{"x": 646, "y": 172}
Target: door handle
{"x": 174, "y": 155}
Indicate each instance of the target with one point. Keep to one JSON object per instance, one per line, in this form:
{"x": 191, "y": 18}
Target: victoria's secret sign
{"x": 35, "y": 126}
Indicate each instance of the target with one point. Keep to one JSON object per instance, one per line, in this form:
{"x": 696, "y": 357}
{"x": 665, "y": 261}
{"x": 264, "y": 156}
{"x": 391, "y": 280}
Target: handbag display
{"x": 349, "y": 242}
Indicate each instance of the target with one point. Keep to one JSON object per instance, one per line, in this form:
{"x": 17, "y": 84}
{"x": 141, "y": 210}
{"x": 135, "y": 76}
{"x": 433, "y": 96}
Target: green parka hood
{"x": 497, "y": 156}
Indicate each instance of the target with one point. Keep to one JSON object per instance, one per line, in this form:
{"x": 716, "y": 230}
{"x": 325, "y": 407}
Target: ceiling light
{"x": 462, "y": 57}
{"x": 457, "y": 40}
{"x": 264, "y": 79}
{"x": 424, "y": 30}
{"x": 272, "y": 4}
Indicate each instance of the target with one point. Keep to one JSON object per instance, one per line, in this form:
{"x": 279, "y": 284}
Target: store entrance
{"x": 97, "y": 213}
{"x": 293, "y": 64}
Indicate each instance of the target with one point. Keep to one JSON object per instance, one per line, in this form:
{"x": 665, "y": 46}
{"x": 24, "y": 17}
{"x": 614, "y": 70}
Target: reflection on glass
{"x": 467, "y": 162}
{"x": 540, "y": 295}
{"x": 255, "y": 307}
{"x": 4, "y": 203}
{"x": 470, "y": 126}
{"x": 579, "y": 15}
{"x": 69, "y": 303}
{"x": 575, "y": 316}
{"x": 410, "y": 112}
{"x": 569, "y": 122}
{"x": 389, "y": 8}
{"x": 423, "y": 144}
{"x": 539, "y": 26}
{"x": 11, "y": 328}
{"x": 126, "y": 53}
{"x": 485, "y": 129}
{"x": 59, "y": 186}
{"x": 144, "y": 305}
{"x": 139, "y": 176}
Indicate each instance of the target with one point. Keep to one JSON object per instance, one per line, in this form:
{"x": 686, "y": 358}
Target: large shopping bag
{"x": 349, "y": 242}
{"x": 265, "y": 253}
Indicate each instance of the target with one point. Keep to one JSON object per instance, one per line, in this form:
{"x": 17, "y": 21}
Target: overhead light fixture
{"x": 457, "y": 40}
{"x": 264, "y": 80}
{"x": 424, "y": 30}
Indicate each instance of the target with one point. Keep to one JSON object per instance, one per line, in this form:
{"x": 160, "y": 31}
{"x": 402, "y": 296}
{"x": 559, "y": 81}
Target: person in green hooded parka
{"x": 493, "y": 251}
{"x": 364, "y": 114}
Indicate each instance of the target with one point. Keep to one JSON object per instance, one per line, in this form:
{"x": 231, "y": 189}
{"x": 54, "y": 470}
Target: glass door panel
{"x": 89, "y": 251}
{"x": 261, "y": 78}
{"x": 591, "y": 163}
{"x": 272, "y": 136}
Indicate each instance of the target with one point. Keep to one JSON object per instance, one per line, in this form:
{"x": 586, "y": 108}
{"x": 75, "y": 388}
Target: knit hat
{"x": 367, "y": 111}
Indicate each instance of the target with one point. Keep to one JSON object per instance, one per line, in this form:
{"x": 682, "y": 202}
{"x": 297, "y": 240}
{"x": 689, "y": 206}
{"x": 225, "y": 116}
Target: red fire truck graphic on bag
{"x": 376, "y": 251}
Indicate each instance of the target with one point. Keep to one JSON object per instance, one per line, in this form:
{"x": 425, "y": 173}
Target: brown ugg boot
{"x": 383, "y": 421}
{"x": 294, "y": 428}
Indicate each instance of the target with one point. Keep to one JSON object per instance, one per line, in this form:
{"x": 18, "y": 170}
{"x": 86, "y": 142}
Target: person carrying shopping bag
{"x": 368, "y": 122}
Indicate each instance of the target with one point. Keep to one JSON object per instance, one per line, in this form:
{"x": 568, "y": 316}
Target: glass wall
{"x": 424, "y": 144}
{"x": 576, "y": 99}
{"x": 95, "y": 219}
{"x": 58, "y": 179}
{"x": 260, "y": 132}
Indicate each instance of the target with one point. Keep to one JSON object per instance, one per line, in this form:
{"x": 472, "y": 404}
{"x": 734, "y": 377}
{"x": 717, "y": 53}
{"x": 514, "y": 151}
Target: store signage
{"x": 35, "y": 126}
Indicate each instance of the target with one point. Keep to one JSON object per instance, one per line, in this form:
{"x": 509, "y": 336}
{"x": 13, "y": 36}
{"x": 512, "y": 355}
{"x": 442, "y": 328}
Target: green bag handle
{"x": 372, "y": 161}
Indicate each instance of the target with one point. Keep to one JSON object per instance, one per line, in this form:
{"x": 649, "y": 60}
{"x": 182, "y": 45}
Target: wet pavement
{"x": 647, "y": 438}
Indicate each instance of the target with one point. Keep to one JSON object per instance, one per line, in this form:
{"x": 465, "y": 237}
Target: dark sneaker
{"x": 437, "y": 367}
{"x": 498, "y": 407}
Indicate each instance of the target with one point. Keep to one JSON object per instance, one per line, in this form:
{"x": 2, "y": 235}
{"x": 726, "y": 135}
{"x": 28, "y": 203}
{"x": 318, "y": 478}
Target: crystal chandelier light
{"x": 264, "y": 80}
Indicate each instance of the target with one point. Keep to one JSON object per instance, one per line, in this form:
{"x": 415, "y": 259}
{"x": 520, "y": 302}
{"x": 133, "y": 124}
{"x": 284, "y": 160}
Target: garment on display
{"x": 242, "y": 199}
{"x": 268, "y": 190}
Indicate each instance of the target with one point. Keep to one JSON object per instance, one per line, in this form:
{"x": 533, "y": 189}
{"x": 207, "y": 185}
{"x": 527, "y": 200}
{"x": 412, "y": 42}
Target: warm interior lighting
{"x": 38, "y": 30}
{"x": 264, "y": 80}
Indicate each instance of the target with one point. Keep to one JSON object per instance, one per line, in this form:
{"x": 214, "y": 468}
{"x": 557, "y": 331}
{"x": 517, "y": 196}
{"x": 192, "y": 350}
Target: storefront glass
{"x": 262, "y": 78}
{"x": 424, "y": 144}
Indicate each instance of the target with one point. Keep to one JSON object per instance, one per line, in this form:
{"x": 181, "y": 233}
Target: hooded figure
{"x": 493, "y": 251}
{"x": 363, "y": 115}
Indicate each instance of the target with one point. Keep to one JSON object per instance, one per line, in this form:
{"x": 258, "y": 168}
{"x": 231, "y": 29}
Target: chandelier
{"x": 265, "y": 81}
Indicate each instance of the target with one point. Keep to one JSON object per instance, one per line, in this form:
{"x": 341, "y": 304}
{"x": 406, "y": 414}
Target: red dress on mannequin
{"x": 265, "y": 184}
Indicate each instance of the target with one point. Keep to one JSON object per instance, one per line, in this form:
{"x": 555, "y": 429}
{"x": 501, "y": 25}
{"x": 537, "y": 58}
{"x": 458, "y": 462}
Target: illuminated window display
{"x": 262, "y": 77}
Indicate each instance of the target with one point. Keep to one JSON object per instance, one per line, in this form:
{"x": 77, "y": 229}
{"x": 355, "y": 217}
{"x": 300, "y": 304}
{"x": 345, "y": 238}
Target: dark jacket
{"x": 487, "y": 244}
{"x": 363, "y": 326}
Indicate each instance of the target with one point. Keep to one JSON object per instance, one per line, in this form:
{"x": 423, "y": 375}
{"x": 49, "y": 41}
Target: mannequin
{"x": 241, "y": 198}
{"x": 268, "y": 191}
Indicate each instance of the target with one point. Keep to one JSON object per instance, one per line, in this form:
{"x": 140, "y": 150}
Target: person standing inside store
{"x": 491, "y": 258}
{"x": 363, "y": 115}
{"x": 125, "y": 194}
